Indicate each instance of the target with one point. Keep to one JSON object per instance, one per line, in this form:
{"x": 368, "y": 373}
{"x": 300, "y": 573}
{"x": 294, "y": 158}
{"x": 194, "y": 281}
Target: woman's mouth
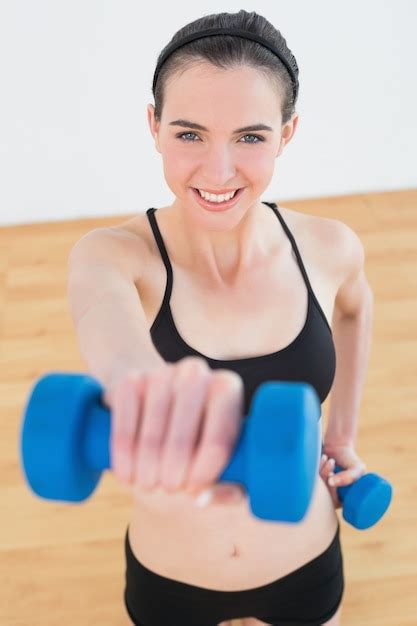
{"x": 217, "y": 206}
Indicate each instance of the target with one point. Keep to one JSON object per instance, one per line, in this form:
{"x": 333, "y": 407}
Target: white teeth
{"x": 214, "y": 198}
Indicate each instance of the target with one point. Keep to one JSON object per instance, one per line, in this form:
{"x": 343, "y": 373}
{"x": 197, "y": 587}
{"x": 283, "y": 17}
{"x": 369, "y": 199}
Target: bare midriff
{"x": 225, "y": 547}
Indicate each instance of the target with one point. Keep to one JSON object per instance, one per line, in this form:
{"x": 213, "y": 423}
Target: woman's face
{"x": 220, "y": 158}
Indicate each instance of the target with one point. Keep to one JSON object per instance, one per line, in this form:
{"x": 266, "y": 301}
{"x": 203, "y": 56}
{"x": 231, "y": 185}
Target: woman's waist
{"x": 222, "y": 544}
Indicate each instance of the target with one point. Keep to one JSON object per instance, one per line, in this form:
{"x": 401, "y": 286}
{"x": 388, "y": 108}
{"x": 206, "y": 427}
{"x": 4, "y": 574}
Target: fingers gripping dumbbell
{"x": 66, "y": 435}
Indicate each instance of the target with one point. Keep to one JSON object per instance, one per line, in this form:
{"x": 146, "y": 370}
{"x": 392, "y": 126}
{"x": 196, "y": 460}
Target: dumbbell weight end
{"x": 366, "y": 500}
{"x": 80, "y": 446}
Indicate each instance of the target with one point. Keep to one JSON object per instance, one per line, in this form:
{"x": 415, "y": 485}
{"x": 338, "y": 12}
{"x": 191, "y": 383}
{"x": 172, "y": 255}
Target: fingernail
{"x": 204, "y": 498}
{"x": 332, "y": 481}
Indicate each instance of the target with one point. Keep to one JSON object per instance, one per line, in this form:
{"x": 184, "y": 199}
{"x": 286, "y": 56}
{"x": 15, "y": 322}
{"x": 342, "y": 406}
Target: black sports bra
{"x": 310, "y": 357}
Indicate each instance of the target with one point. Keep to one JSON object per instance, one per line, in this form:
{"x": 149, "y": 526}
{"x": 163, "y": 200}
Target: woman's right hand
{"x": 176, "y": 427}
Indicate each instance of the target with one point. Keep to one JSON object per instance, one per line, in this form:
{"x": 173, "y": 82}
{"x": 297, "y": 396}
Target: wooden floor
{"x": 64, "y": 564}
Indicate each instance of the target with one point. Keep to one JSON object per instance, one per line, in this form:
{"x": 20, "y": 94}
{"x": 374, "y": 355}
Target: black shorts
{"x": 308, "y": 596}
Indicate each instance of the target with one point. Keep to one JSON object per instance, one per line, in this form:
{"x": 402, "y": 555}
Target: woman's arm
{"x": 352, "y": 334}
{"x": 106, "y": 310}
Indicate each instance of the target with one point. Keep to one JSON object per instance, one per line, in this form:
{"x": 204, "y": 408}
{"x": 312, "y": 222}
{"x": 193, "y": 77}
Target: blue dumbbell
{"x": 364, "y": 501}
{"x": 66, "y": 434}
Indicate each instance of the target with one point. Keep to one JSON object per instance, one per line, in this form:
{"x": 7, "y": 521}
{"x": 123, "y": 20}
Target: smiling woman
{"x": 233, "y": 267}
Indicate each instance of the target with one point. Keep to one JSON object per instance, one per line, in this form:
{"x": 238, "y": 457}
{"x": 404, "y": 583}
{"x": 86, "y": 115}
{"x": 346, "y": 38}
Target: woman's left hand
{"x": 344, "y": 456}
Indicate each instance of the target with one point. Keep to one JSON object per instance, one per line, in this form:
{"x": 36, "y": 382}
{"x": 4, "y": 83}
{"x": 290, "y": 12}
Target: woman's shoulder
{"x": 135, "y": 230}
{"x": 321, "y": 234}
{"x": 123, "y": 243}
{"x": 326, "y": 242}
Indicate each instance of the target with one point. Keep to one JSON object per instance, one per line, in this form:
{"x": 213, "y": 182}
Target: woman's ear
{"x": 153, "y": 125}
{"x": 287, "y": 132}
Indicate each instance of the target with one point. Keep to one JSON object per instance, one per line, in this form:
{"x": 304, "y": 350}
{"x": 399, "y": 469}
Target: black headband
{"x": 292, "y": 69}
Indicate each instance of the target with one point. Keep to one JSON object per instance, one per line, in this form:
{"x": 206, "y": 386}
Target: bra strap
{"x": 164, "y": 254}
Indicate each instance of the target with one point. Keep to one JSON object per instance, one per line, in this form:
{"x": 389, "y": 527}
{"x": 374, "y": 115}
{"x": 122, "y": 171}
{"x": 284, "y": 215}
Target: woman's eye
{"x": 258, "y": 138}
{"x": 183, "y": 135}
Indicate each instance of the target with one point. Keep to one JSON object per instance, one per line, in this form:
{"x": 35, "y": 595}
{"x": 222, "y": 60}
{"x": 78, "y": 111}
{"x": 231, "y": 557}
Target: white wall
{"x": 75, "y": 79}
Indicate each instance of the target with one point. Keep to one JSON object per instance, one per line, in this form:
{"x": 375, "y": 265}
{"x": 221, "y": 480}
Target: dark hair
{"x": 227, "y": 51}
